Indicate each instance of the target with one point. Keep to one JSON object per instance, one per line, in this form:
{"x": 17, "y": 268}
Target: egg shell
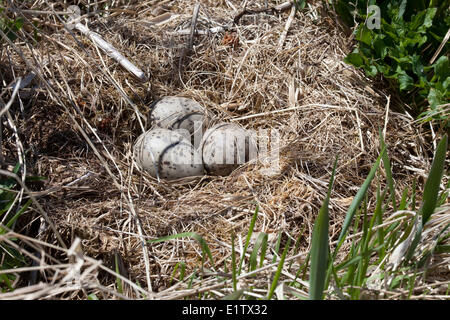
{"x": 179, "y": 113}
{"x": 225, "y": 147}
{"x": 167, "y": 153}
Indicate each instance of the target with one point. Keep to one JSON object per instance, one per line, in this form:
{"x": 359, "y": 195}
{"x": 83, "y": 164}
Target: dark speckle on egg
{"x": 179, "y": 113}
{"x": 224, "y": 146}
{"x": 167, "y": 154}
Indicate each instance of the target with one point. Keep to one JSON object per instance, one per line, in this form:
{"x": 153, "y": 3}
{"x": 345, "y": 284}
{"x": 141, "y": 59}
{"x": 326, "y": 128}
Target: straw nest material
{"x": 251, "y": 72}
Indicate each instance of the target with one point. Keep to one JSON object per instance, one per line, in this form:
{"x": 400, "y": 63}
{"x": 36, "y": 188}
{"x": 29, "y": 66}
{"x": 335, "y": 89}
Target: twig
{"x": 286, "y": 28}
{"x": 272, "y": 10}
{"x": 8, "y": 105}
{"x": 162, "y": 19}
{"x": 444, "y": 41}
{"x": 386, "y": 117}
{"x": 111, "y": 51}
{"x": 189, "y": 45}
{"x": 289, "y": 109}
{"x": 202, "y": 32}
{"x": 193, "y": 25}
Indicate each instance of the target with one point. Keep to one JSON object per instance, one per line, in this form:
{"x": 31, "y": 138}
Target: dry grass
{"x": 79, "y": 129}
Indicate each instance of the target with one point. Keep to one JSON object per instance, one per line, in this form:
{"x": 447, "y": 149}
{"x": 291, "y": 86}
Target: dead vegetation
{"x": 80, "y": 115}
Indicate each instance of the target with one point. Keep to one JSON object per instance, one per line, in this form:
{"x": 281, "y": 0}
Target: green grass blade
{"x": 182, "y": 271}
{"x": 297, "y": 245}
{"x": 233, "y": 263}
{"x": 262, "y": 238}
{"x": 348, "y": 263}
{"x": 279, "y": 269}
{"x": 6, "y": 205}
{"x": 363, "y": 264}
{"x": 234, "y": 296}
{"x": 415, "y": 242}
{"x": 349, "y": 275}
{"x": 19, "y": 213}
{"x": 442, "y": 249}
{"x": 16, "y": 168}
{"x": 143, "y": 295}
{"x": 404, "y": 200}
{"x": 191, "y": 278}
{"x": 356, "y": 223}
{"x": 359, "y": 197}
{"x": 182, "y": 267}
{"x": 193, "y": 235}
{"x": 302, "y": 268}
{"x": 431, "y": 190}
{"x": 118, "y": 280}
{"x": 336, "y": 279}
{"x": 225, "y": 267}
{"x": 4, "y": 281}
{"x": 277, "y": 248}
{"x": 378, "y": 217}
{"x": 378, "y": 213}
{"x": 357, "y": 202}
{"x": 263, "y": 252}
{"x": 388, "y": 170}
{"x": 320, "y": 247}
{"x": 430, "y": 194}
{"x": 444, "y": 195}
{"x": 247, "y": 240}
{"x": 92, "y": 296}
{"x": 413, "y": 195}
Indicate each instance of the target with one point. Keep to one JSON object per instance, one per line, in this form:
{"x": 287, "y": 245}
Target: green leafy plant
{"x": 402, "y": 49}
{"x": 9, "y": 25}
{"x": 299, "y": 4}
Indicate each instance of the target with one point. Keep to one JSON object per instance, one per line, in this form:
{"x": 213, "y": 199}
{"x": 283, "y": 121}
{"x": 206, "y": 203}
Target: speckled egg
{"x": 225, "y": 147}
{"x": 177, "y": 113}
{"x": 167, "y": 154}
